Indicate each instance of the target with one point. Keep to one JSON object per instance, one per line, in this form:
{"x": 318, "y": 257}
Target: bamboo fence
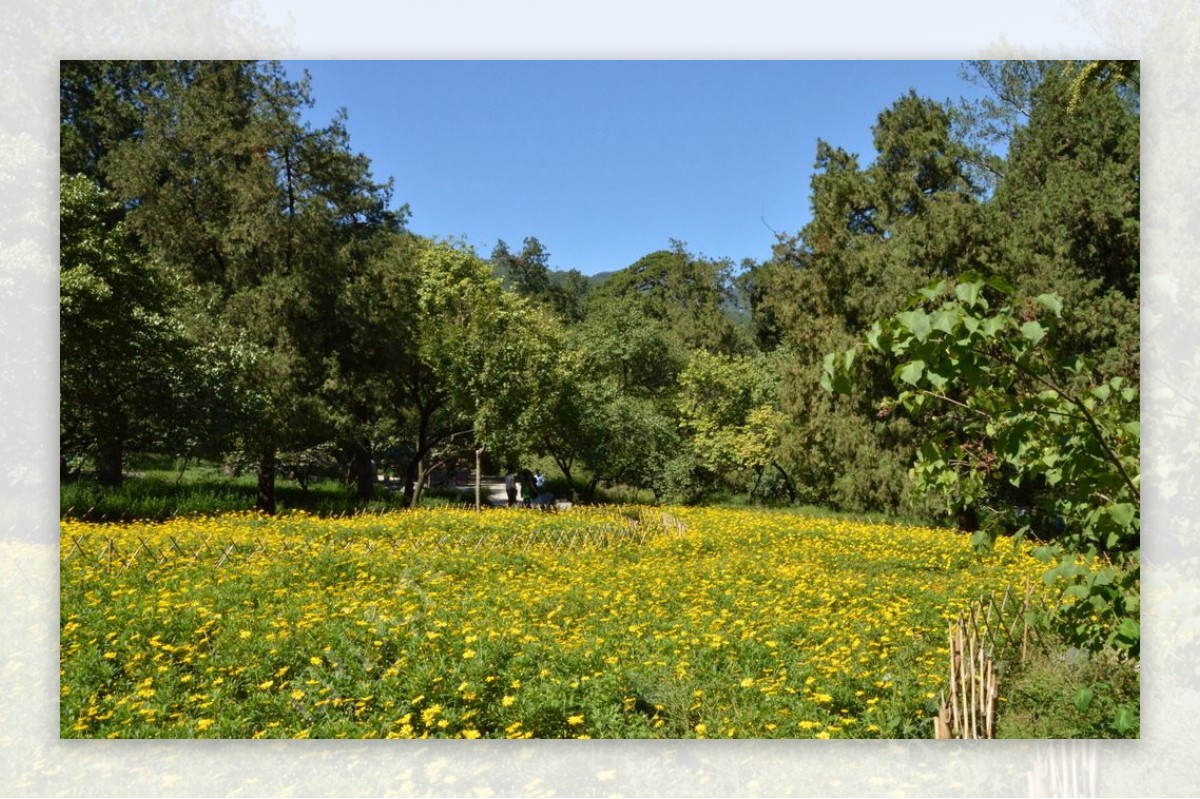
{"x": 977, "y": 636}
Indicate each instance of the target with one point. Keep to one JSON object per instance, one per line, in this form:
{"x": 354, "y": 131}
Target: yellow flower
{"x": 575, "y": 721}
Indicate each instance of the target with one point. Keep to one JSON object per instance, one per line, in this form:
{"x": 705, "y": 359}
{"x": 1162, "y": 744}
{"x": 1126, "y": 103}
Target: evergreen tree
{"x": 265, "y": 217}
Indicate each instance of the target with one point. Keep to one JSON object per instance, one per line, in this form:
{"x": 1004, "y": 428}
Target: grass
{"x": 157, "y": 489}
{"x": 1065, "y": 693}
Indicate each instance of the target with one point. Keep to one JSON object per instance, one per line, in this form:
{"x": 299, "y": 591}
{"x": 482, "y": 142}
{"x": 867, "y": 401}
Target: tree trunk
{"x": 110, "y": 462}
{"x": 412, "y": 473}
{"x": 361, "y": 474}
{"x": 478, "y": 476}
{"x": 422, "y": 481}
{"x": 266, "y": 481}
{"x": 571, "y": 482}
{"x": 787, "y": 481}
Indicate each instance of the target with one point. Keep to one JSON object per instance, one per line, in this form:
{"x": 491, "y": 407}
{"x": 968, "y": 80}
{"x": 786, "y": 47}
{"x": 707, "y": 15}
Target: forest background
{"x": 237, "y": 286}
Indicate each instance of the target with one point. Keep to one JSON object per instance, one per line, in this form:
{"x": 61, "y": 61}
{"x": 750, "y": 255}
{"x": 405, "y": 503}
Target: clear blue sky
{"x": 606, "y": 161}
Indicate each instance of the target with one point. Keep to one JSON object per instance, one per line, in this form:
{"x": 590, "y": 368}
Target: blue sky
{"x": 606, "y": 161}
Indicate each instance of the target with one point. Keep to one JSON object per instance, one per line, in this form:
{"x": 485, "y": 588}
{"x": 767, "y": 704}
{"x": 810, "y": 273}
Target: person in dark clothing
{"x": 510, "y": 487}
{"x": 528, "y": 489}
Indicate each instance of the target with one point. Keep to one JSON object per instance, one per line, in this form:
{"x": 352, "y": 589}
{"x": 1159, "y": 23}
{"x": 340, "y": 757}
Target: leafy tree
{"x": 266, "y": 218}
{"x": 528, "y": 270}
{"x": 1066, "y": 216}
{"x": 643, "y": 445}
{"x": 528, "y": 273}
{"x": 877, "y": 233}
{"x": 573, "y": 429}
{"x": 624, "y": 344}
{"x": 463, "y": 365}
{"x": 681, "y": 293}
{"x": 1001, "y": 407}
{"x": 123, "y": 358}
{"x": 730, "y": 413}
{"x": 100, "y": 105}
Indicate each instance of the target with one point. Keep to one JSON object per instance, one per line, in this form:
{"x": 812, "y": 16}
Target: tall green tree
{"x": 101, "y": 104}
{"x": 122, "y": 354}
{"x": 679, "y": 292}
{"x": 730, "y": 414}
{"x": 877, "y": 233}
{"x": 1066, "y": 216}
{"x": 264, "y": 216}
{"x": 528, "y": 273}
{"x": 459, "y": 363}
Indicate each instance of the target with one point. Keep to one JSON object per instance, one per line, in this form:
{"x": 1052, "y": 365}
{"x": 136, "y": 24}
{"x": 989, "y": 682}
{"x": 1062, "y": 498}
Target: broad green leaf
{"x": 1051, "y": 302}
{"x": 874, "y": 334}
{"x": 968, "y": 293}
{"x": 934, "y": 291}
{"x": 991, "y": 325}
{"x": 1122, "y": 513}
{"x": 945, "y": 319}
{"x": 999, "y": 284}
{"x": 917, "y": 322}
{"x": 1033, "y": 331}
{"x": 911, "y": 372}
{"x": 1077, "y": 591}
{"x": 1084, "y": 698}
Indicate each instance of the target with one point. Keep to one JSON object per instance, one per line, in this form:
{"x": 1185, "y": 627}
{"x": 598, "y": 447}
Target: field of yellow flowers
{"x": 593, "y": 622}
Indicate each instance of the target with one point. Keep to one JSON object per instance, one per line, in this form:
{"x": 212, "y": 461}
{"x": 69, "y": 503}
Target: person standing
{"x": 510, "y": 487}
{"x": 528, "y": 491}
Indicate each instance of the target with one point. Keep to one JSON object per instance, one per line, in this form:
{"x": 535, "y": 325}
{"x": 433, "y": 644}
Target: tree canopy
{"x": 237, "y": 283}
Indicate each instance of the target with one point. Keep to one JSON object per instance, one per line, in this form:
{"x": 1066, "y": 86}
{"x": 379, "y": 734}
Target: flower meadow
{"x": 608, "y": 622}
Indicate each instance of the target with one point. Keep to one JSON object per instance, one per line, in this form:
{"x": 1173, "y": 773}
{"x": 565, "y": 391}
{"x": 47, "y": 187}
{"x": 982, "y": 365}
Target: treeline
{"x": 237, "y": 285}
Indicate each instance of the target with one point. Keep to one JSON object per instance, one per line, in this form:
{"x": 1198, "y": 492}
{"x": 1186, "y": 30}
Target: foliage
{"x": 128, "y": 377}
{"x": 730, "y": 413}
{"x": 1010, "y": 423}
{"x": 259, "y": 215}
{"x": 1067, "y": 693}
{"x": 679, "y": 292}
{"x": 876, "y": 234}
{"x": 589, "y": 623}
